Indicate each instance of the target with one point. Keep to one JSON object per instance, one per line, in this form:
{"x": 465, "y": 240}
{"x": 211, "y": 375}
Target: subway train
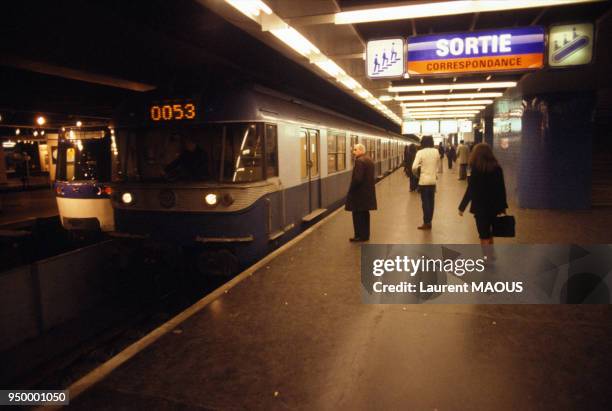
{"x": 83, "y": 176}
{"x": 235, "y": 174}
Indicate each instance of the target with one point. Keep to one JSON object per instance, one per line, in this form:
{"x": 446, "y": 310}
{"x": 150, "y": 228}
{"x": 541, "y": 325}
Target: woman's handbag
{"x": 503, "y": 226}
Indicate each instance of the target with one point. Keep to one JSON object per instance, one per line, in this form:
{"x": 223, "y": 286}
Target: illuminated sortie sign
{"x": 483, "y": 51}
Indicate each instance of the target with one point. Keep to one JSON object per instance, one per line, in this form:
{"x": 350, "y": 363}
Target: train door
{"x": 309, "y": 141}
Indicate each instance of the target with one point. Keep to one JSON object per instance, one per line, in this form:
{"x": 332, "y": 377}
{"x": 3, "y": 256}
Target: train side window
{"x": 354, "y": 140}
{"x": 314, "y": 152}
{"x": 336, "y": 151}
{"x": 370, "y": 148}
{"x": 70, "y": 156}
{"x": 271, "y": 151}
{"x": 243, "y": 154}
{"x": 332, "y": 142}
{"x": 341, "y": 152}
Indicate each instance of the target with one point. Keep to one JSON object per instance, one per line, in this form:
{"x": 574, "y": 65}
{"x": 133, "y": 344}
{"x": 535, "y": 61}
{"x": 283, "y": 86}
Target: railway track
{"x": 35, "y": 239}
{"x": 86, "y": 305}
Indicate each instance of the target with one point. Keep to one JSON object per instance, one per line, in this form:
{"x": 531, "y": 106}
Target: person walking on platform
{"x": 361, "y": 197}
{"x": 463, "y": 154}
{"x": 441, "y": 152}
{"x": 451, "y": 155}
{"x": 411, "y": 151}
{"x": 427, "y": 159}
{"x": 486, "y": 191}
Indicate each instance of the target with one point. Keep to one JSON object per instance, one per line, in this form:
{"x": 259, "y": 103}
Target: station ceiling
{"x": 79, "y": 59}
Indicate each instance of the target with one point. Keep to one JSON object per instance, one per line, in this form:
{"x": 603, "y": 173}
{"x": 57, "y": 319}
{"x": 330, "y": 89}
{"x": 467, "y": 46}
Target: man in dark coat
{"x": 361, "y": 197}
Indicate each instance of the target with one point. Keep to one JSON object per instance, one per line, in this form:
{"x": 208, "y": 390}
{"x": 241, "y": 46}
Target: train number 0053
{"x": 169, "y": 112}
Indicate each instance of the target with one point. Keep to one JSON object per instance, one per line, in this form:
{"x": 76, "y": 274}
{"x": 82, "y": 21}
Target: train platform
{"x": 32, "y": 182}
{"x": 20, "y": 206}
{"x": 292, "y": 332}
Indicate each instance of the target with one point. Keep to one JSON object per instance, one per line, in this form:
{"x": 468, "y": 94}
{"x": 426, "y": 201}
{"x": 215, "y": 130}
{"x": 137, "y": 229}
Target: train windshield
{"x": 226, "y": 153}
{"x": 84, "y": 159}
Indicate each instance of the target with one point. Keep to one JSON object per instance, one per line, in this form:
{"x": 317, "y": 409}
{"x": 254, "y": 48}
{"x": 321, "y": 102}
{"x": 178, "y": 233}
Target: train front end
{"x": 205, "y": 186}
{"x": 83, "y": 177}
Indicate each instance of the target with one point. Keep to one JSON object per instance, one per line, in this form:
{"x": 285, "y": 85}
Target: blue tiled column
{"x": 556, "y": 149}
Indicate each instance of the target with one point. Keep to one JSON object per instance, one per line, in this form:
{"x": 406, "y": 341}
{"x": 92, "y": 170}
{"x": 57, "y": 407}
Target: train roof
{"x": 244, "y": 103}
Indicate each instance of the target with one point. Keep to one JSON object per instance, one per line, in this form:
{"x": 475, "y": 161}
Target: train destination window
{"x": 173, "y": 110}
{"x": 230, "y": 153}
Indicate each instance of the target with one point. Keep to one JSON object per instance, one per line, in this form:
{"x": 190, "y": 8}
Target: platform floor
{"x": 295, "y": 335}
{"x": 18, "y": 206}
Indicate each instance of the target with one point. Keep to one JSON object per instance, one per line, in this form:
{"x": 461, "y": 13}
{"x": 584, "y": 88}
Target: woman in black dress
{"x": 486, "y": 191}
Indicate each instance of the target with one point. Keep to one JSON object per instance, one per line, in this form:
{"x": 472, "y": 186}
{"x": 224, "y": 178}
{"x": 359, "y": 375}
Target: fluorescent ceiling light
{"x": 295, "y": 40}
{"x": 452, "y": 86}
{"x": 421, "y": 117}
{"x": 385, "y": 98}
{"x": 446, "y": 96}
{"x": 446, "y": 103}
{"x": 442, "y": 113}
{"x": 349, "y": 82}
{"x": 437, "y": 108}
{"x": 330, "y": 67}
{"x": 364, "y": 94}
{"x": 420, "y": 113}
{"x": 444, "y": 8}
{"x": 250, "y": 8}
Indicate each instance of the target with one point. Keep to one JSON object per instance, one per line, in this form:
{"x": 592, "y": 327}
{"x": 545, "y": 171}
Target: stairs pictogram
{"x": 386, "y": 65}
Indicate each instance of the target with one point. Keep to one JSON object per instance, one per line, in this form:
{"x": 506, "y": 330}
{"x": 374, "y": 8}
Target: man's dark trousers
{"x": 463, "y": 171}
{"x": 361, "y": 224}
{"x": 428, "y": 195}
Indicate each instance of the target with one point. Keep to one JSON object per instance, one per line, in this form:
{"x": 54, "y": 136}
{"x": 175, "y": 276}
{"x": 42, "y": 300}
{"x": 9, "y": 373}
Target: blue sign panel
{"x": 484, "y": 51}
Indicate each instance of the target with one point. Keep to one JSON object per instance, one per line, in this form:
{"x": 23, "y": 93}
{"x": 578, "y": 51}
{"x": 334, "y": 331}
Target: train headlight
{"x": 127, "y": 198}
{"x": 211, "y": 199}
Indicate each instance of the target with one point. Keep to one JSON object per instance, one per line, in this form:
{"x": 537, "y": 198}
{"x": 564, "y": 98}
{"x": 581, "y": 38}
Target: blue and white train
{"x": 235, "y": 174}
{"x": 83, "y": 177}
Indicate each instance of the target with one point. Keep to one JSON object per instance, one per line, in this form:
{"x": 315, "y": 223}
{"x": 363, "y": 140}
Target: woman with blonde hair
{"x": 486, "y": 191}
